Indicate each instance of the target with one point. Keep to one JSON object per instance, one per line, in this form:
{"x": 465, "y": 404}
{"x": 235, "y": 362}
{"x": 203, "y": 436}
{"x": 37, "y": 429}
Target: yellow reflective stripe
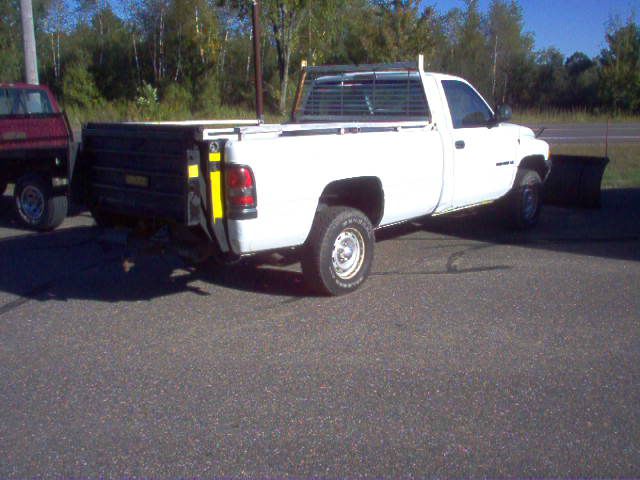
{"x": 194, "y": 171}
{"x": 216, "y": 188}
{"x": 216, "y": 196}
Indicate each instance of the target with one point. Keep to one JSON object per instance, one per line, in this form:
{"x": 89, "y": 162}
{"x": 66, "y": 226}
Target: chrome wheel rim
{"x": 348, "y": 253}
{"x": 31, "y": 204}
{"x": 529, "y": 202}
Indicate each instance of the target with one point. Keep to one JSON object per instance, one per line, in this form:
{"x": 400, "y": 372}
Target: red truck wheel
{"x": 36, "y": 207}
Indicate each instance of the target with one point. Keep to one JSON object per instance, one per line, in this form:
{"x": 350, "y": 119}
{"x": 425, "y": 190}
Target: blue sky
{"x": 569, "y": 25}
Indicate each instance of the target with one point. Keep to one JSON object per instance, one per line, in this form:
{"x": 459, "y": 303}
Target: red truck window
{"x": 18, "y": 101}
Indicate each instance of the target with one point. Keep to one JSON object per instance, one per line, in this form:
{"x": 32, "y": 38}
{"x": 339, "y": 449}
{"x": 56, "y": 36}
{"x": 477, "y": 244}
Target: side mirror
{"x": 503, "y": 113}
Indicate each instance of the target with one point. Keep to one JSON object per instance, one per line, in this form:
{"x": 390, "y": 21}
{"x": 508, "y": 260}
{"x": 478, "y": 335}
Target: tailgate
{"x": 159, "y": 172}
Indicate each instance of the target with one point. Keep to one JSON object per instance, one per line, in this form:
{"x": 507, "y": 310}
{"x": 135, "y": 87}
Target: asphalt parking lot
{"x": 471, "y": 351}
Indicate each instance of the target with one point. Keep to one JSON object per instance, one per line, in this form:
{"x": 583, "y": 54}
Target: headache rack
{"x": 361, "y": 93}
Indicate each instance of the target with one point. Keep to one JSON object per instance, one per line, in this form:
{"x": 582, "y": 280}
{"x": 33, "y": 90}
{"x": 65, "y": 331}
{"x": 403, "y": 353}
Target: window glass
{"x": 466, "y": 106}
{"x": 6, "y": 103}
{"x": 36, "y": 101}
{"x": 367, "y": 96}
{"x": 15, "y": 101}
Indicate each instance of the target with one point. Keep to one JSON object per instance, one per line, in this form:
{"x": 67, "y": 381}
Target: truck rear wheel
{"x": 339, "y": 251}
{"x": 525, "y": 200}
{"x": 36, "y": 206}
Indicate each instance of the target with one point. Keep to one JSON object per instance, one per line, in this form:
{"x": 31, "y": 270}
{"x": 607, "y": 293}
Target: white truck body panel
{"x": 292, "y": 172}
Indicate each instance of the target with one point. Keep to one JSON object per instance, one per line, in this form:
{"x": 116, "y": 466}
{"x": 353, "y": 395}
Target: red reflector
{"x": 246, "y": 201}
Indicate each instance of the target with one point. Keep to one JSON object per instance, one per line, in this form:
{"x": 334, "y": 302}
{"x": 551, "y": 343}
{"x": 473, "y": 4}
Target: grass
{"x": 623, "y": 170}
{"x": 579, "y": 115}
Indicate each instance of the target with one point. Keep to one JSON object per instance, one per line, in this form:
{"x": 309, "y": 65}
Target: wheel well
{"x": 363, "y": 193}
{"x": 537, "y": 164}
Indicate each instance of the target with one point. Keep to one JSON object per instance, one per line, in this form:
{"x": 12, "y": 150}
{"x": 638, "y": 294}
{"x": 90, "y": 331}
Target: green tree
{"x": 469, "y": 56}
{"x": 620, "y": 87}
{"x": 79, "y": 88}
{"x": 583, "y": 77}
{"x": 285, "y": 19}
{"x": 10, "y": 41}
{"x": 551, "y": 81}
{"x": 510, "y": 51}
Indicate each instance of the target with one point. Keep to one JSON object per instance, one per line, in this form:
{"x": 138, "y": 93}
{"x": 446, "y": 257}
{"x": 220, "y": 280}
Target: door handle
{"x": 460, "y": 144}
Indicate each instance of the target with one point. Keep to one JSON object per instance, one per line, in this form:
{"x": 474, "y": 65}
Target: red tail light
{"x": 240, "y": 192}
{"x": 239, "y": 177}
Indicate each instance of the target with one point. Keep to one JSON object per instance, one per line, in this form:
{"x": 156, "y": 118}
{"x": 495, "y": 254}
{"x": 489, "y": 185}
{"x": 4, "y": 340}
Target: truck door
{"x": 484, "y": 154}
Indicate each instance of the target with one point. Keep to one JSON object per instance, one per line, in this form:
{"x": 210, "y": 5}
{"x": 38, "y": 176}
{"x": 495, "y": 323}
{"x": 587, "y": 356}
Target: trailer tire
{"x": 36, "y": 206}
{"x": 339, "y": 251}
{"x": 524, "y": 202}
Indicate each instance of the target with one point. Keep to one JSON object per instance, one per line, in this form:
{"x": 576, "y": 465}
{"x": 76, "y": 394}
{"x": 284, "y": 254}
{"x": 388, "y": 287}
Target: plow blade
{"x": 575, "y": 181}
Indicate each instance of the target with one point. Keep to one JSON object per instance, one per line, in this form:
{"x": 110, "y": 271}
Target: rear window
{"x": 369, "y": 97}
{"x": 22, "y": 101}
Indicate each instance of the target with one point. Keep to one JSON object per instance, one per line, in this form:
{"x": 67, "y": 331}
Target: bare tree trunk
{"x": 53, "y": 56}
{"x": 504, "y": 92}
{"x": 248, "y": 68}
{"x": 285, "y": 81}
{"x": 495, "y": 66}
{"x": 136, "y": 58}
{"x": 161, "y": 65}
{"x": 179, "y": 61}
{"x": 155, "y": 56}
{"x": 101, "y": 33}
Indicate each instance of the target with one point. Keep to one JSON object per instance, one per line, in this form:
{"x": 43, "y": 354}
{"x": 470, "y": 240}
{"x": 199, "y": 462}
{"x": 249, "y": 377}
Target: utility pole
{"x": 257, "y": 60}
{"x": 29, "y": 43}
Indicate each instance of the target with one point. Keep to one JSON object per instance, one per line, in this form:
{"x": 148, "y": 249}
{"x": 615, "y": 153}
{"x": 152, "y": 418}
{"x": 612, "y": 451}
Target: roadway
{"x": 471, "y": 351}
{"x": 590, "y": 133}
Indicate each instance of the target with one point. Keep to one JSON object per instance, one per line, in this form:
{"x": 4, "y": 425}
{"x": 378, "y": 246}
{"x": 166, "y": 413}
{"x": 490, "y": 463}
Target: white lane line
{"x": 584, "y": 137}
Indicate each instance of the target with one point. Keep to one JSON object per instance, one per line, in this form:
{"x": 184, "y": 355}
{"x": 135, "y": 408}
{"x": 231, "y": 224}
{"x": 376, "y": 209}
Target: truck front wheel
{"x": 339, "y": 251}
{"x": 525, "y": 200}
{"x": 36, "y": 206}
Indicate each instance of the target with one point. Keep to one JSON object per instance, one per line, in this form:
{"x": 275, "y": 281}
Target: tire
{"x": 339, "y": 251}
{"x": 3, "y": 187}
{"x": 36, "y": 206}
{"x": 525, "y": 200}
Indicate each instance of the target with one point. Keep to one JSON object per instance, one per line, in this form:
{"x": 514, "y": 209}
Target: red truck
{"x": 36, "y": 154}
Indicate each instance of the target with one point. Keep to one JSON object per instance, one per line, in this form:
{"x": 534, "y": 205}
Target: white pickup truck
{"x": 368, "y": 147}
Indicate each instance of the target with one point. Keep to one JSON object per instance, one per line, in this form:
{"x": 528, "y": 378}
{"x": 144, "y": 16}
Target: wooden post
{"x": 296, "y": 103}
{"x": 257, "y": 60}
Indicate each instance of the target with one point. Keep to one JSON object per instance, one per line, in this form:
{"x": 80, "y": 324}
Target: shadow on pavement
{"x": 92, "y": 264}
{"x": 612, "y": 231}
{"x": 89, "y": 263}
